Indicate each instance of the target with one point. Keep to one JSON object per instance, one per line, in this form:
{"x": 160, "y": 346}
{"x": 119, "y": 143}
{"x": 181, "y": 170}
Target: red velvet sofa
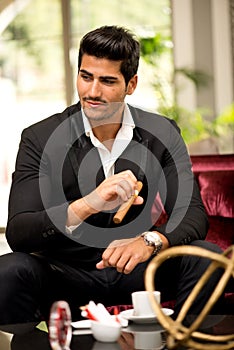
{"x": 215, "y": 177}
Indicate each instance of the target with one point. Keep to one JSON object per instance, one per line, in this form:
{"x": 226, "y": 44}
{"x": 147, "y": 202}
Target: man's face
{"x": 101, "y": 87}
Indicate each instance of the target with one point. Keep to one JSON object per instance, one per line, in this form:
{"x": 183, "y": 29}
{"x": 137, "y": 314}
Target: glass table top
{"x": 134, "y": 336}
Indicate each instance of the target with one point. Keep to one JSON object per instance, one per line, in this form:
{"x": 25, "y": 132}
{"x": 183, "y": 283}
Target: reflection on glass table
{"x": 135, "y": 336}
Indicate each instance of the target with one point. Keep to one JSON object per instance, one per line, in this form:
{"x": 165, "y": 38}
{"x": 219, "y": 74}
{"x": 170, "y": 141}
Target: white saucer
{"x": 129, "y": 315}
{"x": 81, "y": 324}
{"x": 86, "y": 324}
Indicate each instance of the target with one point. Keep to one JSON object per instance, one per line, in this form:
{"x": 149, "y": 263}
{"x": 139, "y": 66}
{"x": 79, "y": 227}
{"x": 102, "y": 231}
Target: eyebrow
{"x": 85, "y": 71}
{"x": 102, "y": 77}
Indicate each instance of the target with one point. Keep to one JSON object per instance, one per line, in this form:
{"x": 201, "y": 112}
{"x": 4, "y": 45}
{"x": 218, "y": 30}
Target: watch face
{"x": 153, "y": 237}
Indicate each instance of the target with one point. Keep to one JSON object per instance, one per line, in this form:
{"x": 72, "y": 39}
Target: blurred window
{"x": 32, "y": 70}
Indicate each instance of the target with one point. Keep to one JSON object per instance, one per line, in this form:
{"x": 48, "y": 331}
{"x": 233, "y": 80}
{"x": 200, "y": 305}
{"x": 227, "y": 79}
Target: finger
{"x": 100, "y": 265}
{"x": 114, "y": 259}
{"x": 125, "y": 189}
{"x": 138, "y": 200}
{"x": 129, "y": 174}
{"x": 129, "y": 267}
{"x": 103, "y": 264}
{"x": 131, "y": 262}
{"x": 106, "y": 257}
{"x": 121, "y": 192}
{"x": 120, "y": 267}
{"x": 130, "y": 178}
{"x": 124, "y": 262}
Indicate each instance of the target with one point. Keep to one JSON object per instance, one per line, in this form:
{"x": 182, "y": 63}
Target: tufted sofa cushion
{"x": 217, "y": 191}
{"x": 215, "y": 177}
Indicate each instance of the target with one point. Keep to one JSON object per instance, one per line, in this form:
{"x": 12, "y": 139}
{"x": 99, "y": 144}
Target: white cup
{"x": 148, "y": 340}
{"x": 142, "y": 304}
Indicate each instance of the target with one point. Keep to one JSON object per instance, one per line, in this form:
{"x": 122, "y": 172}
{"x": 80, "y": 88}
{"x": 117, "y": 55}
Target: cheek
{"x": 117, "y": 94}
{"x": 79, "y": 84}
{"x": 81, "y": 88}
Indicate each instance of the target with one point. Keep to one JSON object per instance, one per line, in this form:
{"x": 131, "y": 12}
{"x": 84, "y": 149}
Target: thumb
{"x": 100, "y": 265}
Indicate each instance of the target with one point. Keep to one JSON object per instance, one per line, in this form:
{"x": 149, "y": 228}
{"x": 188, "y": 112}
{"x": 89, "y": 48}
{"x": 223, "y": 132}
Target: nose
{"x": 95, "y": 89}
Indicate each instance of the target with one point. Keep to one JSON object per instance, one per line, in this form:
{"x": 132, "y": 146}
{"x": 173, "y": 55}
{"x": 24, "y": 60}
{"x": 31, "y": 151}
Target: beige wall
{"x": 202, "y": 40}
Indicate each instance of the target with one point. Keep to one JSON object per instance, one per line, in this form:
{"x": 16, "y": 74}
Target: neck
{"x": 106, "y": 131}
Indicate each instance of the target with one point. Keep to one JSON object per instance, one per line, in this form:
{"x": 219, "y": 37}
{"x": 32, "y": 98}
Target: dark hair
{"x": 113, "y": 43}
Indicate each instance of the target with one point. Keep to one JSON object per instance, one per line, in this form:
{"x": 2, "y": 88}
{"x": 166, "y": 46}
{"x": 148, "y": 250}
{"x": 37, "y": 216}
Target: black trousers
{"x": 29, "y": 285}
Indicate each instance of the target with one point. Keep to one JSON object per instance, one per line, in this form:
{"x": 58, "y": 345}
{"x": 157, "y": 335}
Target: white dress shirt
{"x": 122, "y": 139}
{"x": 108, "y": 158}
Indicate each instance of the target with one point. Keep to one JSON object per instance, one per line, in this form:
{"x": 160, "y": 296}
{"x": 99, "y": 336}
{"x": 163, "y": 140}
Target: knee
{"x": 199, "y": 264}
{"x": 15, "y": 265}
{"x": 207, "y": 245}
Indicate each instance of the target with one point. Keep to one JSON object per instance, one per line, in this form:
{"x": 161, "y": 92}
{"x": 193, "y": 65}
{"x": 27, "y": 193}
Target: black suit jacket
{"x": 57, "y": 164}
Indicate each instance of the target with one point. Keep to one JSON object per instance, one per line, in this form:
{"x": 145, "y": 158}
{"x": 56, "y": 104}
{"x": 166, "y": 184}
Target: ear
{"x": 132, "y": 84}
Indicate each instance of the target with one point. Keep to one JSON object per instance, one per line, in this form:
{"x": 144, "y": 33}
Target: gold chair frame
{"x": 178, "y": 334}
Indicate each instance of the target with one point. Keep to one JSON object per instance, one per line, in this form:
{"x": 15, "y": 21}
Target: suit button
{"x": 50, "y": 231}
{"x": 44, "y": 234}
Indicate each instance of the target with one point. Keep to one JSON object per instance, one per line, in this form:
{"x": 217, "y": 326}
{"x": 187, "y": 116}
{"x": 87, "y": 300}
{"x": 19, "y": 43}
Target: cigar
{"x": 124, "y": 208}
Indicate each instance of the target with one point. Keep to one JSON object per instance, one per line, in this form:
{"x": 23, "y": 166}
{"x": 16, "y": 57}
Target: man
{"x": 73, "y": 170}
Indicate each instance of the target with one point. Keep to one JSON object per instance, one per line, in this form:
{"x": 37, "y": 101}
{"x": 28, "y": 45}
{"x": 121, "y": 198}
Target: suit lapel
{"x": 84, "y": 157}
{"x": 136, "y": 155}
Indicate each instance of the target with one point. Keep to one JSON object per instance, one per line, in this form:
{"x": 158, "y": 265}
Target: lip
{"x": 94, "y": 104}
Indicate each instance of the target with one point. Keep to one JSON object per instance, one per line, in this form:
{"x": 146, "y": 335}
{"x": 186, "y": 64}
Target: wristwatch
{"x": 154, "y": 240}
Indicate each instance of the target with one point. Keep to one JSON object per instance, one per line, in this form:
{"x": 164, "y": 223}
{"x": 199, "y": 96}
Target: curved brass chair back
{"x": 178, "y": 334}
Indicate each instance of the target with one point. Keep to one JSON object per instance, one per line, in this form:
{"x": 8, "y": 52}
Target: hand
{"x": 113, "y": 192}
{"x": 125, "y": 254}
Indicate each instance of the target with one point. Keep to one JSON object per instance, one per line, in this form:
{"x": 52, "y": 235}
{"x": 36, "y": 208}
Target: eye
{"x": 108, "y": 81}
{"x": 86, "y": 77}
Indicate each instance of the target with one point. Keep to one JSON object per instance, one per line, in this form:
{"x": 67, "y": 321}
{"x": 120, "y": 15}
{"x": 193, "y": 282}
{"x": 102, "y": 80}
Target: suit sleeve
{"x": 187, "y": 219}
{"x": 30, "y": 226}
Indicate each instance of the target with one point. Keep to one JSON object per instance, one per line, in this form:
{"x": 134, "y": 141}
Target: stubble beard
{"x": 110, "y": 111}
